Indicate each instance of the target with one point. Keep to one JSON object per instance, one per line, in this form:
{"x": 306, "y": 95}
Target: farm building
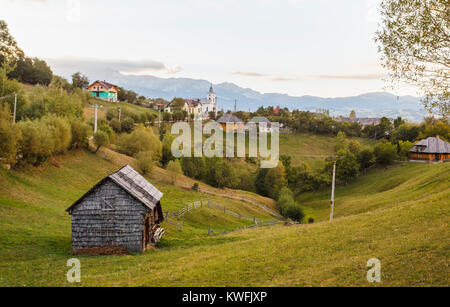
{"x": 104, "y": 90}
{"x": 231, "y": 121}
{"x": 122, "y": 210}
{"x": 432, "y": 149}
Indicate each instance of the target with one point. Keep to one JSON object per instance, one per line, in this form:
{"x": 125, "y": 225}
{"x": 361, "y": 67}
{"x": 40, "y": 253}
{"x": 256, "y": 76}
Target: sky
{"x": 298, "y": 47}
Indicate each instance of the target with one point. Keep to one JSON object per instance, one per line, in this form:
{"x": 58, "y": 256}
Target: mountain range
{"x": 375, "y": 104}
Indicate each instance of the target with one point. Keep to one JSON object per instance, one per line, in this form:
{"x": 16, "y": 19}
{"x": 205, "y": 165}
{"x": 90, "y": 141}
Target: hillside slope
{"x": 409, "y": 234}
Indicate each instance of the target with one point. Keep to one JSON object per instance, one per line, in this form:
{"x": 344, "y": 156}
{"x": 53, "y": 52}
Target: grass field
{"x": 399, "y": 215}
{"x": 301, "y": 146}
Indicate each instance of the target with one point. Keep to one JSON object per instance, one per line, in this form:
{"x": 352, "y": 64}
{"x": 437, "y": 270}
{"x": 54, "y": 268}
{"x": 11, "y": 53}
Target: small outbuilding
{"x": 122, "y": 210}
{"x": 432, "y": 149}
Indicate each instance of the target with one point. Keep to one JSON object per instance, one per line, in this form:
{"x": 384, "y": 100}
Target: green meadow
{"x": 399, "y": 215}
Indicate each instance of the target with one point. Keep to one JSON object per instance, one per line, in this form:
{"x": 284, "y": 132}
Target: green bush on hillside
{"x": 145, "y": 161}
{"x": 141, "y": 139}
{"x": 288, "y": 207}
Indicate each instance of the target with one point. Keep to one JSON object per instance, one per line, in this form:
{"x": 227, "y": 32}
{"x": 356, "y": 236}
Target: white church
{"x": 209, "y": 104}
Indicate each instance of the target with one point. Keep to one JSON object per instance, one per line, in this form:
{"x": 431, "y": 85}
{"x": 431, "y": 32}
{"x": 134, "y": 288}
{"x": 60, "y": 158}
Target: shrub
{"x": 404, "y": 148}
{"x": 385, "y": 153}
{"x": 174, "y": 169}
{"x": 115, "y": 125}
{"x": 127, "y": 125}
{"x": 10, "y": 135}
{"x": 80, "y": 134}
{"x": 288, "y": 207}
{"x": 195, "y": 187}
{"x": 101, "y": 138}
{"x": 145, "y": 161}
{"x": 142, "y": 139}
{"x": 37, "y": 141}
{"x": 61, "y": 132}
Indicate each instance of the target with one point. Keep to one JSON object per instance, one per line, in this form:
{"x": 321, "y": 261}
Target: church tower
{"x": 211, "y": 97}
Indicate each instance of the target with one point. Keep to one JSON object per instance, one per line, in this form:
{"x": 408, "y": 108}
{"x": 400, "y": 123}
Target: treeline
{"x": 321, "y": 123}
{"x": 23, "y": 69}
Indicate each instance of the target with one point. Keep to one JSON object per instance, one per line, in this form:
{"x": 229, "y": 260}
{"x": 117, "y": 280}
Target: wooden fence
{"x": 209, "y": 204}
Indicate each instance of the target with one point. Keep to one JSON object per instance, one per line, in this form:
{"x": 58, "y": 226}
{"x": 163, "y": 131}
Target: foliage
{"x": 288, "y": 207}
{"x": 167, "y": 149}
{"x": 10, "y": 136}
{"x": 101, "y": 138}
{"x": 80, "y": 133}
{"x": 145, "y": 161}
{"x": 141, "y": 139}
{"x": 174, "y": 169}
{"x": 385, "y": 153}
{"x": 127, "y": 125}
{"x": 9, "y": 50}
{"x": 80, "y": 81}
{"x": 414, "y": 44}
{"x": 404, "y": 148}
{"x": 32, "y": 71}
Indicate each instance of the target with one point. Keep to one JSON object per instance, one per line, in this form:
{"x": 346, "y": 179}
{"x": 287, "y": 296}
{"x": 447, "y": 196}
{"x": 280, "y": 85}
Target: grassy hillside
{"x": 399, "y": 215}
{"x": 301, "y": 145}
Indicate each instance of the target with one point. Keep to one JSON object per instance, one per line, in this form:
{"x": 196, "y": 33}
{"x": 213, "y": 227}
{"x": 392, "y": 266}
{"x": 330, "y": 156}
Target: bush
{"x": 80, "y": 134}
{"x": 127, "y": 125}
{"x": 174, "y": 169}
{"x": 142, "y": 139}
{"x": 195, "y": 187}
{"x": 115, "y": 125}
{"x": 288, "y": 207}
{"x": 10, "y": 135}
{"x": 101, "y": 138}
{"x": 145, "y": 161}
{"x": 404, "y": 148}
{"x": 385, "y": 153}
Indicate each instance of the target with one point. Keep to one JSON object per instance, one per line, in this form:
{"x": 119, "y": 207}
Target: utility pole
{"x": 235, "y": 105}
{"x": 15, "y": 107}
{"x": 332, "y": 190}
{"x": 120, "y": 113}
{"x": 159, "y": 117}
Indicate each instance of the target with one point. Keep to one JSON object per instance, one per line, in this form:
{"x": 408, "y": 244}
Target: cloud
{"x": 249, "y": 74}
{"x": 370, "y": 76}
{"x": 66, "y": 65}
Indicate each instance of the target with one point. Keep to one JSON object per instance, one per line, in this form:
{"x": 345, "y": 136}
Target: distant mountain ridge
{"x": 376, "y": 104}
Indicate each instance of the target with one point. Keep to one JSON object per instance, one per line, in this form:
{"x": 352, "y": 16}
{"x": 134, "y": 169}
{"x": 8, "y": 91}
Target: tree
{"x": 141, "y": 139}
{"x": 353, "y": 114}
{"x": 9, "y": 50}
{"x": 288, "y": 207}
{"x": 167, "y": 149}
{"x": 275, "y": 181}
{"x": 414, "y": 46}
{"x": 127, "y": 125}
{"x": 385, "y": 153}
{"x": 10, "y": 136}
{"x": 101, "y": 138}
{"x": 145, "y": 161}
{"x": 80, "y": 81}
{"x": 404, "y": 148}
{"x": 366, "y": 159}
{"x": 174, "y": 169}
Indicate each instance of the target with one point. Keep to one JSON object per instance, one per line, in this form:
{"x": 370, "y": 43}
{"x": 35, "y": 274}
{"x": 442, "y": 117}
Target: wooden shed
{"x": 122, "y": 210}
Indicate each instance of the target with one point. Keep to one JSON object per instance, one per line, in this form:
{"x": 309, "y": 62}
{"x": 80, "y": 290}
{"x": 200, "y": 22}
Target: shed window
{"x": 108, "y": 204}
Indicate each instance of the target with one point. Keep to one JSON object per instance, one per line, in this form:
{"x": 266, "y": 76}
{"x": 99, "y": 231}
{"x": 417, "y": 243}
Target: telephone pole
{"x": 96, "y": 106}
{"x": 235, "y": 106}
{"x": 332, "y": 190}
{"x": 120, "y": 113}
{"x": 15, "y": 107}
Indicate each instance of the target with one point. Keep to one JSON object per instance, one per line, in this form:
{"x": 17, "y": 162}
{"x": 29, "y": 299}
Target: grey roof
{"x": 211, "y": 89}
{"x": 431, "y": 145}
{"x": 132, "y": 182}
{"x": 259, "y": 119}
{"x": 229, "y": 118}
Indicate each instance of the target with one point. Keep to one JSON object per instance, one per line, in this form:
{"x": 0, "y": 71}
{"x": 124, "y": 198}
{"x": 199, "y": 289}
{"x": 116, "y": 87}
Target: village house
{"x": 432, "y": 149}
{"x": 366, "y": 121}
{"x": 199, "y": 107}
{"x": 104, "y": 90}
{"x": 261, "y": 119}
{"x": 233, "y": 122}
{"x": 122, "y": 210}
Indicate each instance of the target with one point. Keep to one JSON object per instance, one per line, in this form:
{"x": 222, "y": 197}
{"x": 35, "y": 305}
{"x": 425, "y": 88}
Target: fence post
{"x": 181, "y": 226}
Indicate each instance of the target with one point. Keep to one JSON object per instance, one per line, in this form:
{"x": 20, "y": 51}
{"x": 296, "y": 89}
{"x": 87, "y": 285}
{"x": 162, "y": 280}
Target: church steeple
{"x": 211, "y": 89}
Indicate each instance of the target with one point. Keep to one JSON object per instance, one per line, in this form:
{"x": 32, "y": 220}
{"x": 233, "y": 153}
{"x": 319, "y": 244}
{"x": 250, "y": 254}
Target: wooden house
{"x": 104, "y": 90}
{"x": 432, "y": 149}
{"x": 122, "y": 210}
{"x": 230, "y": 121}
{"x": 258, "y": 120}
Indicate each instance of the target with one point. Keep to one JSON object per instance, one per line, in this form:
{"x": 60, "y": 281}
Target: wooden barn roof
{"x": 229, "y": 118}
{"x": 431, "y": 145}
{"x": 133, "y": 183}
